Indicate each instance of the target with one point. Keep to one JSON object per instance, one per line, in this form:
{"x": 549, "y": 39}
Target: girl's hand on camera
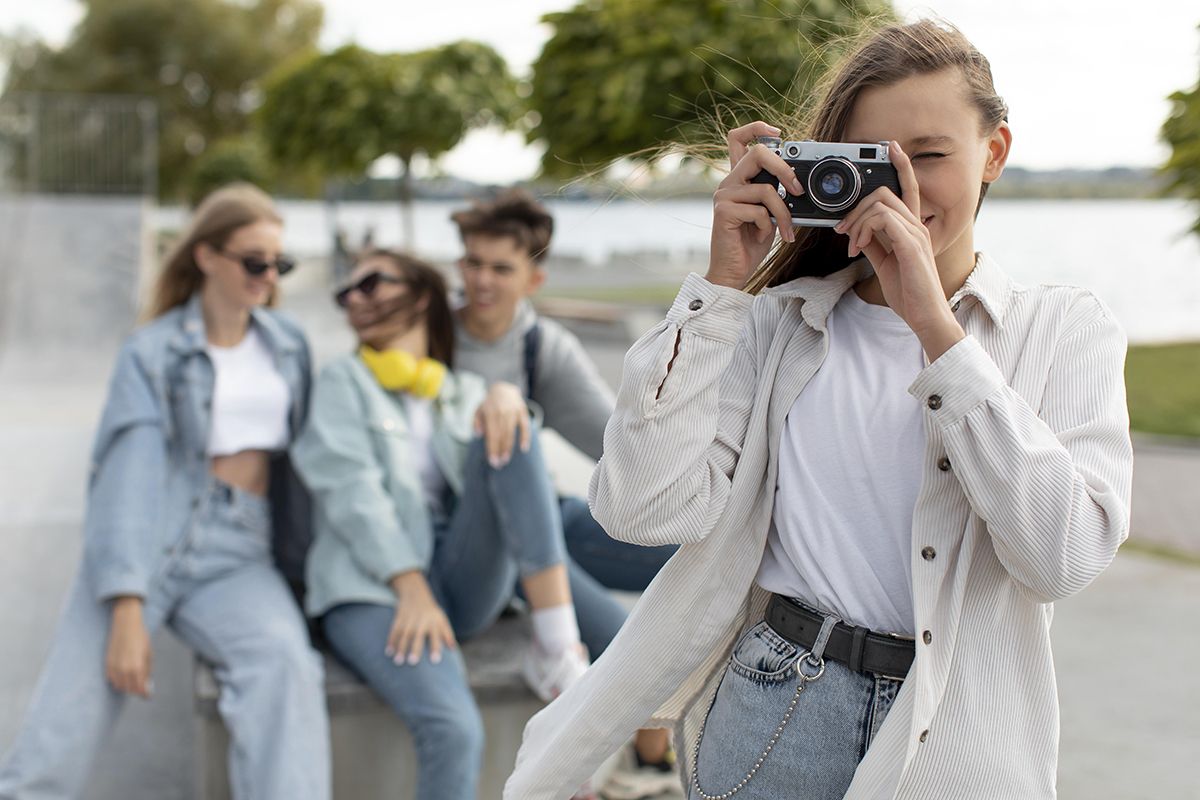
{"x": 743, "y": 232}
{"x": 419, "y": 619}
{"x": 502, "y": 413}
{"x": 129, "y": 659}
{"x": 889, "y": 231}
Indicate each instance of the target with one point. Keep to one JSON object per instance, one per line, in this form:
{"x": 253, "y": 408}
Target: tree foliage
{"x": 623, "y": 76}
{"x": 200, "y": 60}
{"x": 338, "y": 112}
{"x": 1182, "y": 132}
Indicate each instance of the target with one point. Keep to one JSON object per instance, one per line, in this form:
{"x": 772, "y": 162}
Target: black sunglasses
{"x": 367, "y": 284}
{"x": 257, "y": 265}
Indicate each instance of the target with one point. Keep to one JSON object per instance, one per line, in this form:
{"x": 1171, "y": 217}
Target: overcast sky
{"x": 1086, "y": 82}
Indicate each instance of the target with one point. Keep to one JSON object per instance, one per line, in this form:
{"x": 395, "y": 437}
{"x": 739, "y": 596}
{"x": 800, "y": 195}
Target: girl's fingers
{"x": 755, "y": 161}
{"x": 740, "y": 139}
{"x": 435, "y": 647}
{"x": 762, "y": 194}
{"x": 908, "y": 179}
{"x": 882, "y": 196}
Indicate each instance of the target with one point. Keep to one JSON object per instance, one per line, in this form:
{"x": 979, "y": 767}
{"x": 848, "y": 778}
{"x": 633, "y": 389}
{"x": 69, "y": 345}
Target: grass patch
{"x": 1159, "y": 551}
{"x": 1163, "y": 382}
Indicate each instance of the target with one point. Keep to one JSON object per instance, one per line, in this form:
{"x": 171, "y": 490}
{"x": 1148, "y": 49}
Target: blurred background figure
{"x": 178, "y": 526}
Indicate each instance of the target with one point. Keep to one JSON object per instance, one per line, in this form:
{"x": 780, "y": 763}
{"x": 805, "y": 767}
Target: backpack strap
{"x": 533, "y": 343}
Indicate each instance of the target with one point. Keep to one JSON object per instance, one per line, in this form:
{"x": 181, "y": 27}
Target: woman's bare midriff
{"x": 248, "y": 470}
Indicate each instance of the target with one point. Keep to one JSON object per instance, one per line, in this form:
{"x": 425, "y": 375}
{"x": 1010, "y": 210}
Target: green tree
{"x": 1182, "y": 132}
{"x": 200, "y": 60}
{"x": 621, "y": 77}
{"x": 339, "y": 112}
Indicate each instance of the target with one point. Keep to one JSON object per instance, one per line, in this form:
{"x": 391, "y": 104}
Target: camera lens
{"x": 834, "y": 184}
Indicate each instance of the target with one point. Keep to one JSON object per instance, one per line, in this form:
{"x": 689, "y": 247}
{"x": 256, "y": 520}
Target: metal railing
{"x": 58, "y": 143}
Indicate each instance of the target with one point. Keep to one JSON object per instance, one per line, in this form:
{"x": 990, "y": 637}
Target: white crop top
{"x": 250, "y": 399}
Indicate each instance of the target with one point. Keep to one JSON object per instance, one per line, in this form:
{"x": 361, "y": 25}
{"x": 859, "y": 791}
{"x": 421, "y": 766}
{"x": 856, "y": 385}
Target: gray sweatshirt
{"x": 574, "y": 398}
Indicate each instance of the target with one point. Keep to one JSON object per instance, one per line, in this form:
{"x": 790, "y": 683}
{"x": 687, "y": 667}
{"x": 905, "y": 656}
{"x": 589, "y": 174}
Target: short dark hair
{"x": 513, "y": 213}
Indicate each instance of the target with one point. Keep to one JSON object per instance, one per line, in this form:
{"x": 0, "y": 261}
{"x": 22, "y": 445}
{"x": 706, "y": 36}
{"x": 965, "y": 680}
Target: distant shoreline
{"x": 1132, "y": 183}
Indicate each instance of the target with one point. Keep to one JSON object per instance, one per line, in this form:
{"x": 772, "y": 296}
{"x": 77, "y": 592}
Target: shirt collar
{"x": 192, "y": 338}
{"x": 987, "y": 283}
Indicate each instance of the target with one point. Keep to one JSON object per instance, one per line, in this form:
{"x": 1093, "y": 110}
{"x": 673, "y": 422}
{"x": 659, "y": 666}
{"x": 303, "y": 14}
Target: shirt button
{"x": 696, "y": 305}
{"x": 944, "y": 464}
{"x": 927, "y": 637}
{"x": 924, "y": 735}
{"x": 957, "y": 303}
{"x": 928, "y": 553}
{"x": 934, "y": 401}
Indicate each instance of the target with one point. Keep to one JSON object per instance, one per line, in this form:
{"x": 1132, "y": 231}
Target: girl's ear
{"x": 204, "y": 256}
{"x": 999, "y": 145}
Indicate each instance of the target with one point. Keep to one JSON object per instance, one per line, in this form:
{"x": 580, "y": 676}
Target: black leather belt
{"x": 859, "y": 648}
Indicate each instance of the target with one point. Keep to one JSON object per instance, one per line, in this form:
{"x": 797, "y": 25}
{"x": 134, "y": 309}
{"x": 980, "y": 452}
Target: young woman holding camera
{"x": 884, "y": 460}
{"x": 178, "y": 527}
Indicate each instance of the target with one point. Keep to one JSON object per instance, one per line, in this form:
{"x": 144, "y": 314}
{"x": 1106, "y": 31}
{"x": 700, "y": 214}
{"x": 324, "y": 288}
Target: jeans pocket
{"x": 763, "y": 656}
{"x": 755, "y": 702}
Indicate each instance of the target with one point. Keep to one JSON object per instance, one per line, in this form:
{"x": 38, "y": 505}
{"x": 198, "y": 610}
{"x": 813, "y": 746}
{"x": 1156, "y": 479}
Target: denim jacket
{"x": 149, "y": 465}
{"x": 356, "y": 457}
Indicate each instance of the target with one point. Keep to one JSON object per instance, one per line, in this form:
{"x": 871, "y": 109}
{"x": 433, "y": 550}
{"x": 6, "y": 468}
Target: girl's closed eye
{"x": 929, "y": 155}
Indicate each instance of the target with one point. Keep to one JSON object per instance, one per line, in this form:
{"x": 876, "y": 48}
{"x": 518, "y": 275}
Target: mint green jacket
{"x": 356, "y": 456}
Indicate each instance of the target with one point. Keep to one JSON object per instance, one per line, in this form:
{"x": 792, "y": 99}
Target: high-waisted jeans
{"x": 507, "y": 525}
{"x": 825, "y": 720}
{"x": 219, "y": 593}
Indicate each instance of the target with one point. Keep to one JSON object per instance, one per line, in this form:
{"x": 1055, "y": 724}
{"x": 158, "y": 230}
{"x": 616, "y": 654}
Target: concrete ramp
{"x": 70, "y": 271}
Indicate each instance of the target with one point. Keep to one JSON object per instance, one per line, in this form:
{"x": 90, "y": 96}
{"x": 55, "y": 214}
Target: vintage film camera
{"x": 835, "y": 176}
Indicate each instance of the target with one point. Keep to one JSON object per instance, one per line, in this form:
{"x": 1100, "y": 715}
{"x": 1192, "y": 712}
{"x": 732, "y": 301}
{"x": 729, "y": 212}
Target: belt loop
{"x": 818, "y": 648}
{"x": 857, "y": 642}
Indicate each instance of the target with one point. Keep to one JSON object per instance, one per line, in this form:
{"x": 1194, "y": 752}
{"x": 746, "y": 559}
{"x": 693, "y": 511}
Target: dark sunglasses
{"x": 257, "y": 265}
{"x": 367, "y": 284}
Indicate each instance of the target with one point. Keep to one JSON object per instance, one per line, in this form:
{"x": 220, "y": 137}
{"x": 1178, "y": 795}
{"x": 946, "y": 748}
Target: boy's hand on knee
{"x": 130, "y": 658}
{"x": 501, "y": 419}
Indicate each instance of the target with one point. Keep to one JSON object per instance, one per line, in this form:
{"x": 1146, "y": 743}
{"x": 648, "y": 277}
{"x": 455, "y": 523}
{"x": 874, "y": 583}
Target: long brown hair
{"x": 214, "y": 221}
{"x": 886, "y": 57}
{"x": 423, "y": 280}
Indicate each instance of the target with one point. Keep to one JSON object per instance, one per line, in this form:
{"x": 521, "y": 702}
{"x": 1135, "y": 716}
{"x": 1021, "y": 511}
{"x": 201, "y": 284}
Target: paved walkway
{"x": 1126, "y": 647}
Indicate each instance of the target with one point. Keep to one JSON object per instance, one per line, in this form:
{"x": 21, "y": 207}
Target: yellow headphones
{"x": 400, "y": 371}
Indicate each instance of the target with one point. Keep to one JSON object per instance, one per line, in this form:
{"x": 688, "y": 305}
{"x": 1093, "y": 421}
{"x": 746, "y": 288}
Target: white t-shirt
{"x": 849, "y": 472}
{"x": 420, "y": 424}
{"x": 250, "y": 398}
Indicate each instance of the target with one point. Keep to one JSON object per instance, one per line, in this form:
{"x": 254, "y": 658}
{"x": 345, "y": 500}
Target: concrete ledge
{"x": 373, "y": 754}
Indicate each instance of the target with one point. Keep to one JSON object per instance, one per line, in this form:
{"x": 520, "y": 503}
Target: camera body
{"x": 835, "y": 176}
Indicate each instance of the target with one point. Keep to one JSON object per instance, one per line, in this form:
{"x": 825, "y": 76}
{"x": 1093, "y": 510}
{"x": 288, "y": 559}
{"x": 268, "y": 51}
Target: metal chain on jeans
{"x": 805, "y": 679}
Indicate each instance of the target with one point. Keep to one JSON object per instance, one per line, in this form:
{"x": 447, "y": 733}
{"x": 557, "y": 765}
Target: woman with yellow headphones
{"x": 420, "y": 534}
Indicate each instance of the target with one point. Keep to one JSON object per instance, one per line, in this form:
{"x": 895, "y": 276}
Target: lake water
{"x": 1135, "y": 254}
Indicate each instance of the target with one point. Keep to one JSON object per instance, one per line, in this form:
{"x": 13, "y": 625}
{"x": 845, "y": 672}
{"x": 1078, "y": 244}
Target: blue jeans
{"x": 614, "y": 564}
{"x": 220, "y": 593}
{"x": 505, "y": 526}
{"x": 833, "y": 721}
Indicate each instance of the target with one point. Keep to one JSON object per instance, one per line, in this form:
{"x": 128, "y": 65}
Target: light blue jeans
{"x": 220, "y": 593}
{"x": 506, "y": 525}
{"x": 832, "y": 722}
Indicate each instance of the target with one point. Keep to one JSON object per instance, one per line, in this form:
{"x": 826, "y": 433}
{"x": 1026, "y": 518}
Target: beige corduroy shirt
{"x": 1029, "y": 409}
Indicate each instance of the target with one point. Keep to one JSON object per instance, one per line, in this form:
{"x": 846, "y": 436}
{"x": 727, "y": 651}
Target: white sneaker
{"x": 633, "y": 780}
{"x": 550, "y": 675}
